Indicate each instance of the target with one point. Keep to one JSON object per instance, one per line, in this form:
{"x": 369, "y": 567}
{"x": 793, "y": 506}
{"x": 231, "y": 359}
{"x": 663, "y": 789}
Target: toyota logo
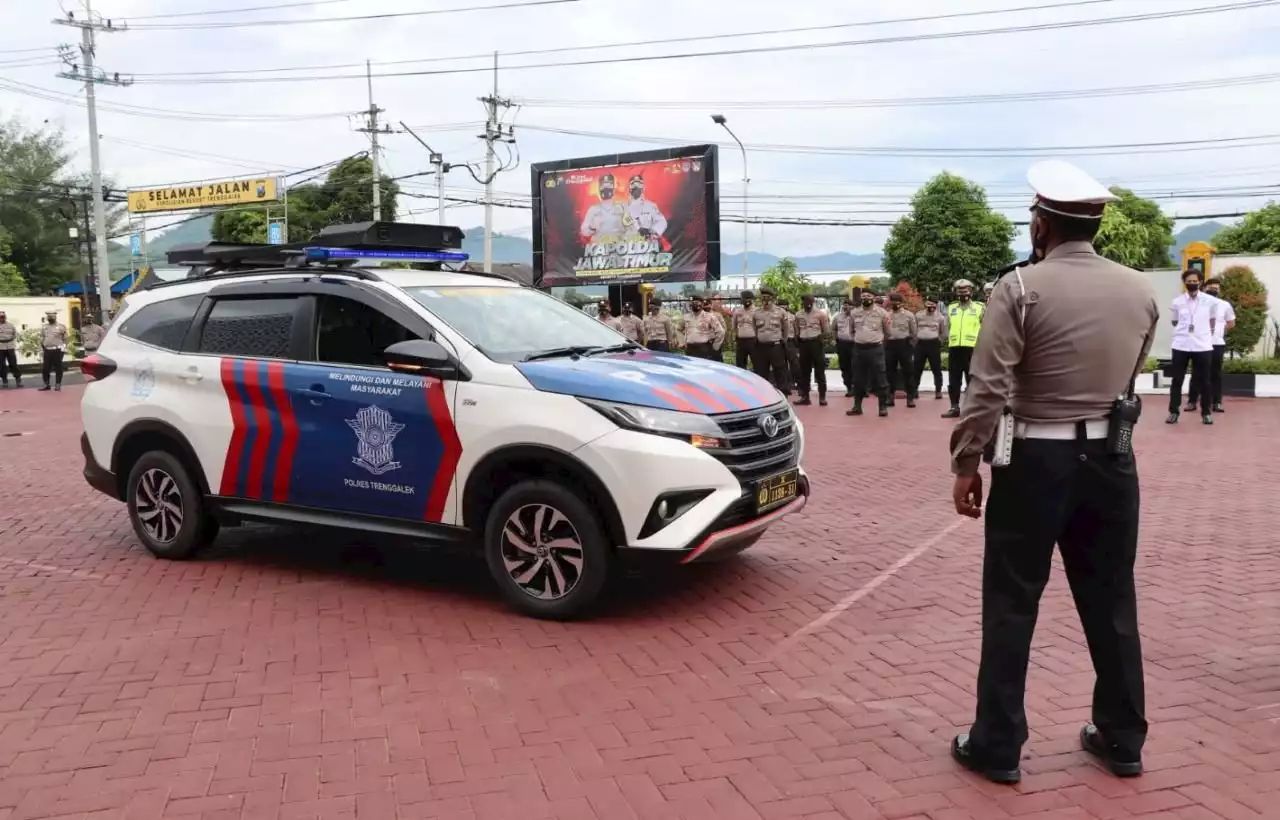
{"x": 769, "y": 426}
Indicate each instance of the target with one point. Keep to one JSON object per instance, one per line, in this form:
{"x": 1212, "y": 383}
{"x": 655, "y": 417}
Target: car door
{"x": 371, "y": 441}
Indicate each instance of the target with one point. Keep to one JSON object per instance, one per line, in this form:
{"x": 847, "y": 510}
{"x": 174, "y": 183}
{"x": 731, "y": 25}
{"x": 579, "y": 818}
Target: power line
{"x": 907, "y": 102}
{"x": 212, "y": 12}
{"x": 1114, "y": 149}
{"x": 774, "y": 49}
{"x": 666, "y": 41}
{"x": 352, "y": 19}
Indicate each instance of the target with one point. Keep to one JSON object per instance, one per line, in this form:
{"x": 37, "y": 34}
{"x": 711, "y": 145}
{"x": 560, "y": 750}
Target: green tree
{"x": 1123, "y": 240}
{"x": 787, "y": 282}
{"x": 1258, "y": 232}
{"x": 345, "y": 196}
{"x": 1248, "y": 296}
{"x": 11, "y": 281}
{"x": 951, "y": 233}
{"x": 1158, "y": 228}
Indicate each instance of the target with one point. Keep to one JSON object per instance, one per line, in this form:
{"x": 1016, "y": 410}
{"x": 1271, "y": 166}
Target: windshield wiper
{"x": 557, "y": 352}
{"x": 623, "y": 348}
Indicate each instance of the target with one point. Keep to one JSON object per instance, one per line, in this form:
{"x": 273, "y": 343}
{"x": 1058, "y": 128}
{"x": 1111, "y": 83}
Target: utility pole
{"x": 493, "y": 132}
{"x": 86, "y": 72}
{"x": 371, "y": 128}
{"x": 442, "y": 168}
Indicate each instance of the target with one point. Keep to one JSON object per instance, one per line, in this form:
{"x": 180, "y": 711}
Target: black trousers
{"x": 957, "y": 369}
{"x": 745, "y": 349}
{"x": 929, "y": 351}
{"x": 52, "y": 364}
{"x": 868, "y": 371}
{"x": 702, "y": 350}
{"x": 900, "y": 360}
{"x": 771, "y": 365}
{"x": 1215, "y": 378}
{"x": 1200, "y": 384}
{"x": 1075, "y": 495}
{"x": 9, "y": 364}
{"x": 793, "y": 364}
{"x": 812, "y": 359}
{"x": 844, "y": 354}
{"x": 661, "y": 347}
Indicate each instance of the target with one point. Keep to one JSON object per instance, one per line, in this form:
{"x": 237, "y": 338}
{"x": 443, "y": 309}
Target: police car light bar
{"x": 327, "y": 254}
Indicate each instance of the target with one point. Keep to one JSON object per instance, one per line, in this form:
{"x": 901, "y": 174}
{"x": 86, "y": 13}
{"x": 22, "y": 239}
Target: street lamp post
{"x": 720, "y": 120}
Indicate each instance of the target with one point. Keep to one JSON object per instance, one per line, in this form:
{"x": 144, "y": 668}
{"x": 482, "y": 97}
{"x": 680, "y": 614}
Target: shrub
{"x": 1242, "y": 288}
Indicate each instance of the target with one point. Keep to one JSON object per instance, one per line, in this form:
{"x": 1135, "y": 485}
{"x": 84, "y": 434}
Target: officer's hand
{"x": 967, "y": 495}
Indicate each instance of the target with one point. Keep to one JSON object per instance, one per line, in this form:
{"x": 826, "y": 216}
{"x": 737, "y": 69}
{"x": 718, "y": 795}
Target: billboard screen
{"x": 645, "y": 217}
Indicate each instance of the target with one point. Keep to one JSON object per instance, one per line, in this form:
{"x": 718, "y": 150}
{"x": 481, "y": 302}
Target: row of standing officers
{"x": 875, "y": 345}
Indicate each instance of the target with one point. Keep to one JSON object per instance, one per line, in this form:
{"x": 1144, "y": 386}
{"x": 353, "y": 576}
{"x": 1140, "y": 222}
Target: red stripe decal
{"x": 231, "y": 467}
{"x": 289, "y": 424}
{"x": 721, "y": 391}
{"x": 677, "y": 402}
{"x": 438, "y": 407}
{"x": 700, "y": 395}
{"x": 765, "y": 394}
{"x": 257, "y": 408}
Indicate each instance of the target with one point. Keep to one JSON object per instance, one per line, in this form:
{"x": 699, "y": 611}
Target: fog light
{"x": 664, "y": 510}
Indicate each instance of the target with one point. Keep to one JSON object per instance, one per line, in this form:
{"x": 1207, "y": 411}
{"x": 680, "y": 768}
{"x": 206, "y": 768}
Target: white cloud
{"x": 1193, "y": 48}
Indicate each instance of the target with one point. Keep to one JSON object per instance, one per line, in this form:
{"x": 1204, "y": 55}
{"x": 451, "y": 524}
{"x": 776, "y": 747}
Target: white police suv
{"x": 295, "y": 384}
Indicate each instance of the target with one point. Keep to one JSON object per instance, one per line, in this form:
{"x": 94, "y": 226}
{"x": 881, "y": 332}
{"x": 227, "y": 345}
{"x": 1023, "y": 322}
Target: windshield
{"x": 512, "y": 324}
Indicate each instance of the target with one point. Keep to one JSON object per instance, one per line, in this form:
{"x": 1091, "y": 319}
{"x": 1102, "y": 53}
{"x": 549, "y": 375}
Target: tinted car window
{"x": 258, "y": 328}
{"x": 353, "y": 333}
{"x": 163, "y": 324}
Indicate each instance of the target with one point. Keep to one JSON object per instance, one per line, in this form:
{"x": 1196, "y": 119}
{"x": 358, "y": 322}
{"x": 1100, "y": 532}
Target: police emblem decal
{"x": 375, "y": 430}
{"x": 769, "y": 426}
{"x": 144, "y": 380}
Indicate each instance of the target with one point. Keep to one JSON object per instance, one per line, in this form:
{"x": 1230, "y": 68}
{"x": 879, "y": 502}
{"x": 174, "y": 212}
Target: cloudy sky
{"x": 210, "y": 97}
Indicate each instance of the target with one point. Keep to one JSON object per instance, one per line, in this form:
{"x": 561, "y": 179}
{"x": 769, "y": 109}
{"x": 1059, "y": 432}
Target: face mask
{"x": 866, "y": 303}
{"x": 606, "y": 193}
{"x": 1192, "y": 287}
{"x": 637, "y": 192}
{"x": 930, "y": 309}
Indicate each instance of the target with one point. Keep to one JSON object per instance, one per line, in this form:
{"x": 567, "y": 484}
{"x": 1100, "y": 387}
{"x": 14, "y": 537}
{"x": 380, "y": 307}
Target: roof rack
{"x": 339, "y": 247}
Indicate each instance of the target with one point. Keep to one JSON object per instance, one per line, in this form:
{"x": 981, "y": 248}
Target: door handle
{"x": 192, "y": 375}
{"x": 314, "y": 394}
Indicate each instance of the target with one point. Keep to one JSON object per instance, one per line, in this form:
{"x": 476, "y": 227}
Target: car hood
{"x": 664, "y": 380}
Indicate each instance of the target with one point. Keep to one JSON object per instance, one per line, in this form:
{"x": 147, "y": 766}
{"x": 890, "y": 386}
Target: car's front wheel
{"x": 166, "y": 507}
{"x": 547, "y": 550}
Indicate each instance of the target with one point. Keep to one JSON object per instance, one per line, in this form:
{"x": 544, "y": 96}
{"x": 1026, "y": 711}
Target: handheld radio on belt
{"x": 1125, "y": 412}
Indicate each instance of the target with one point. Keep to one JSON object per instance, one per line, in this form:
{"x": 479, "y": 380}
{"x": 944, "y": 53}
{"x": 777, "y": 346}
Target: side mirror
{"x": 420, "y": 357}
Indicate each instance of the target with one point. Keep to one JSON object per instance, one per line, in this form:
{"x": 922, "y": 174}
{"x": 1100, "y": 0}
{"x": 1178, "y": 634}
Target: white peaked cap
{"x": 1062, "y": 188}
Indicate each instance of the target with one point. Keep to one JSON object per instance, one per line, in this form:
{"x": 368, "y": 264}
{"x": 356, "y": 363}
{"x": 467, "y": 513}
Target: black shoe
{"x": 1218, "y": 408}
{"x": 884, "y": 411}
{"x": 1190, "y": 408}
{"x": 46, "y": 387}
{"x": 1206, "y": 418}
{"x": 855, "y": 411}
{"x": 803, "y": 402}
{"x": 57, "y": 388}
{"x": 953, "y": 413}
{"x": 911, "y": 402}
{"x": 822, "y": 401}
{"x": 937, "y": 394}
{"x": 1172, "y": 419}
{"x": 962, "y": 752}
{"x": 1091, "y": 741}
{"x": 848, "y": 394}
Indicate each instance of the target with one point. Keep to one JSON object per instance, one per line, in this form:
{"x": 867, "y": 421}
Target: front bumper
{"x": 97, "y": 476}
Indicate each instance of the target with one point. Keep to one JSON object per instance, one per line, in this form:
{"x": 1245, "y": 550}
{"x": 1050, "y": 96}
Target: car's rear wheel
{"x": 547, "y": 550}
{"x": 166, "y": 507}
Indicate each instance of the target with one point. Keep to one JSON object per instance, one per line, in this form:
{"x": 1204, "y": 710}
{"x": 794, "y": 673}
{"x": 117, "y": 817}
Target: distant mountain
{"x": 159, "y": 243}
{"x": 1201, "y": 232}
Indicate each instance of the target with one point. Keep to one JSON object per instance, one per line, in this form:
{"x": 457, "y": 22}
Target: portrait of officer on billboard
{"x": 604, "y": 220}
{"x": 643, "y": 218}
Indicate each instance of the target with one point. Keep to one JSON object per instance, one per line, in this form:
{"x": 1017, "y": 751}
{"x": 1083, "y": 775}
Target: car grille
{"x": 750, "y": 454}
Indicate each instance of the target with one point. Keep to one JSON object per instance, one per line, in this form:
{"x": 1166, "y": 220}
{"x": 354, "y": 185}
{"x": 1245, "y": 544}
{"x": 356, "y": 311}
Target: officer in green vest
{"x": 964, "y": 320}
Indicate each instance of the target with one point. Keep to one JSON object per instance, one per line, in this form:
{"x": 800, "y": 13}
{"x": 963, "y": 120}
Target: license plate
{"x": 776, "y": 490}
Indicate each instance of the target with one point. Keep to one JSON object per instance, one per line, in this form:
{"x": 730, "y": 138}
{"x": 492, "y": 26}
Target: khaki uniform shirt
{"x": 844, "y": 326}
{"x": 657, "y": 328}
{"x": 91, "y": 336}
{"x": 611, "y": 321}
{"x": 869, "y": 325}
{"x": 902, "y": 324}
{"x": 53, "y": 336}
{"x": 770, "y": 324}
{"x": 744, "y": 322}
{"x": 931, "y": 325}
{"x": 1070, "y": 357}
{"x": 632, "y": 326}
{"x": 8, "y": 336}
{"x": 812, "y": 325}
{"x": 703, "y": 327}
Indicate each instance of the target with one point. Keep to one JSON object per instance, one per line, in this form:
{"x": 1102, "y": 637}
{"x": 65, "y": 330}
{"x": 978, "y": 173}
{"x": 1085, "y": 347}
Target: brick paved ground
{"x": 309, "y": 678}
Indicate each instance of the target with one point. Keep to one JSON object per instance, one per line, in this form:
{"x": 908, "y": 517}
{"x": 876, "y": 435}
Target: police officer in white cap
{"x": 1051, "y": 403}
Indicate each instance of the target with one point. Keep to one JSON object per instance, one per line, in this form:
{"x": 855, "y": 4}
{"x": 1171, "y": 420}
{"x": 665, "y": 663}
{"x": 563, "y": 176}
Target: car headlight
{"x": 695, "y": 428}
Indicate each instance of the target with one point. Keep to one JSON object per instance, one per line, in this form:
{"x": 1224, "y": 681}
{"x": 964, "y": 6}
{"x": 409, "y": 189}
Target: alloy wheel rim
{"x": 542, "y": 552}
{"x": 159, "y": 506}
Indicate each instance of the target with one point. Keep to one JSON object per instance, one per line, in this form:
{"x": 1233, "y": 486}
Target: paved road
{"x": 288, "y": 676}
